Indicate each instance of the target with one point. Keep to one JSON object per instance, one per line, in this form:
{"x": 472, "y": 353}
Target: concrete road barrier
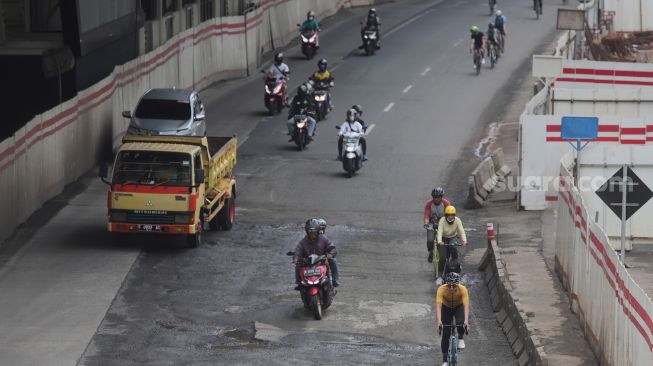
{"x": 509, "y": 313}
{"x": 481, "y": 182}
{"x": 500, "y": 166}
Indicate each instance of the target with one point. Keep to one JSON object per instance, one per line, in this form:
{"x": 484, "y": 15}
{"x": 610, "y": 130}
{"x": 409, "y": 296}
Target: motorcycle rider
{"x": 478, "y": 43}
{"x": 433, "y": 211}
{"x": 314, "y": 243}
{"x": 278, "y": 69}
{"x": 323, "y": 75}
{"x": 371, "y": 22}
{"x": 311, "y": 24}
{"x": 301, "y": 102}
{"x": 452, "y": 301}
{"x": 351, "y": 125}
{"x": 359, "y": 113}
{"x": 449, "y": 227}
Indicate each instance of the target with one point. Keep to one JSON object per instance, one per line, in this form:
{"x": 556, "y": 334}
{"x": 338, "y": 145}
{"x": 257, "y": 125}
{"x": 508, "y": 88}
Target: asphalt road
{"x": 231, "y": 301}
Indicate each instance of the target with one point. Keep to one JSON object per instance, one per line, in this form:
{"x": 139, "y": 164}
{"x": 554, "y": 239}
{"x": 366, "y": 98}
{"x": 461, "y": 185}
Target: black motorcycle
{"x": 300, "y": 131}
{"x": 321, "y": 99}
{"x": 370, "y": 40}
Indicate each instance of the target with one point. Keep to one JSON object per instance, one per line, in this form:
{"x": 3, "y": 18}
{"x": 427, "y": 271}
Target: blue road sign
{"x": 579, "y": 128}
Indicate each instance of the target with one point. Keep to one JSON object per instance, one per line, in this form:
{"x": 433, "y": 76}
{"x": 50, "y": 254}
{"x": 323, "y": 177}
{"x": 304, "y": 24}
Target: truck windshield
{"x": 153, "y": 168}
{"x": 163, "y": 109}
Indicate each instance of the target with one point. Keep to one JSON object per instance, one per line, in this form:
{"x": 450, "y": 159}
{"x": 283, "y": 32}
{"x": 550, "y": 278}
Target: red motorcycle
{"x": 309, "y": 43}
{"x": 275, "y": 95}
{"x": 315, "y": 284}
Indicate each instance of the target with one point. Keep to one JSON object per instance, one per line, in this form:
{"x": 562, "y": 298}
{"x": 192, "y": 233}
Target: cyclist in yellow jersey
{"x": 452, "y": 301}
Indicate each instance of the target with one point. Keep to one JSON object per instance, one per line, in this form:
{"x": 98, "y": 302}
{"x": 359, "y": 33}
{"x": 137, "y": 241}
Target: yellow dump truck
{"x": 172, "y": 185}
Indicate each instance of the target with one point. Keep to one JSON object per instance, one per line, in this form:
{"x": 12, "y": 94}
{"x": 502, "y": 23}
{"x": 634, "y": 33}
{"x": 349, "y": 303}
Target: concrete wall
{"x": 60, "y": 145}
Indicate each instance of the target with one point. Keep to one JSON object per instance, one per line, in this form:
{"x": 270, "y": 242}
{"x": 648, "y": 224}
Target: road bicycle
{"x": 452, "y": 351}
{"x": 477, "y": 60}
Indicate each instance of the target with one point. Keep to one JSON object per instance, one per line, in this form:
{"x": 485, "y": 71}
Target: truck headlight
{"x": 119, "y": 217}
{"x": 182, "y": 219}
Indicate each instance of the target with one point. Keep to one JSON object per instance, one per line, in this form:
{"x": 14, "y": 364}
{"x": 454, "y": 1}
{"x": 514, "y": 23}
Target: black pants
{"x": 448, "y": 315}
{"x": 445, "y": 251}
{"x": 363, "y": 145}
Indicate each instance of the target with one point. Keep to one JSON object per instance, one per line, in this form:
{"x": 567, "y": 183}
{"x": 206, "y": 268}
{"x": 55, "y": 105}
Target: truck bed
{"x": 216, "y": 143}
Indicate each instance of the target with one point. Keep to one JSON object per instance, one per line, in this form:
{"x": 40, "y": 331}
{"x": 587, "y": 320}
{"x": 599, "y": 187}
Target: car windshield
{"x": 163, "y": 109}
{"x": 153, "y": 168}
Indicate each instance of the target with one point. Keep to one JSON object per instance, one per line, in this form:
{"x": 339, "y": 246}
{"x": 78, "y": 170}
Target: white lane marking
{"x": 426, "y": 71}
{"x": 369, "y": 129}
{"x": 389, "y": 107}
{"x": 458, "y": 43}
{"x": 413, "y": 19}
{"x": 407, "y": 89}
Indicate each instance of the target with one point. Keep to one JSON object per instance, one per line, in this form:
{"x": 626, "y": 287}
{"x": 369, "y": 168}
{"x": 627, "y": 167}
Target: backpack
{"x": 498, "y": 20}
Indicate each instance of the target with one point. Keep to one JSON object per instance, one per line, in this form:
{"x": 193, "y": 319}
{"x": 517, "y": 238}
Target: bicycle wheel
{"x": 452, "y": 354}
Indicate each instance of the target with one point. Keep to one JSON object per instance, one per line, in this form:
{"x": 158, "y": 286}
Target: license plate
{"x": 312, "y": 272}
{"x": 149, "y": 227}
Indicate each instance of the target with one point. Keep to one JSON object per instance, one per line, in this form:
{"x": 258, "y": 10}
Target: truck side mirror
{"x": 104, "y": 172}
{"x": 127, "y": 114}
{"x": 199, "y": 176}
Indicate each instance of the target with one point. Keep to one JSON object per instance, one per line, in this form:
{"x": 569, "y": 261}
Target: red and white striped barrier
{"x": 615, "y": 313}
{"x": 60, "y": 145}
{"x": 600, "y": 74}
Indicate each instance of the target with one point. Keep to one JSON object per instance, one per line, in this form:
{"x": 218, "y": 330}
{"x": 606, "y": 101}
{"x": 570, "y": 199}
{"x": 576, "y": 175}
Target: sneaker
{"x": 483, "y": 61}
{"x": 338, "y": 158}
{"x": 439, "y": 281}
{"x": 309, "y": 138}
{"x": 445, "y": 363}
{"x": 430, "y": 258}
{"x": 296, "y": 288}
{"x": 365, "y": 158}
{"x": 336, "y": 283}
{"x": 461, "y": 344}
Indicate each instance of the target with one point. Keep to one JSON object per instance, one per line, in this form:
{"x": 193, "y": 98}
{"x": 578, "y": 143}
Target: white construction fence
{"x": 60, "y": 145}
{"x": 614, "y": 311}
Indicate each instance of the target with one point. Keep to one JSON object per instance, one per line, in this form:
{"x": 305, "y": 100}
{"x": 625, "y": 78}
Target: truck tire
{"x": 195, "y": 240}
{"x": 227, "y": 214}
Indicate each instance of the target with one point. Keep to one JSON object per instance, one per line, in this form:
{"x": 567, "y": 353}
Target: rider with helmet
{"x": 449, "y": 227}
{"x": 323, "y": 75}
{"x": 477, "y": 43}
{"x": 352, "y": 125}
{"x": 433, "y": 211}
{"x": 452, "y": 301}
{"x": 500, "y": 22}
{"x": 314, "y": 243}
{"x": 278, "y": 69}
{"x": 311, "y": 24}
{"x": 491, "y": 37}
{"x": 372, "y": 22}
{"x": 359, "y": 114}
{"x": 302, "y": 102}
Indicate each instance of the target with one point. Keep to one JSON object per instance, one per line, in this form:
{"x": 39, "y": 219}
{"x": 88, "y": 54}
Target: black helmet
{"x": 302, "y": 90}
{"x": 490, "y": 24}
{"x": 352, "y": 115}
{"x": 322, "y": 64}
{"x": 453, "y": 278}
{"x": 437, "y": 192}
{"x": 312, "y": 225}
{"x": 372, "y": 11}
{"x": 358, "y": 109}
{"x": 278, "y": 58}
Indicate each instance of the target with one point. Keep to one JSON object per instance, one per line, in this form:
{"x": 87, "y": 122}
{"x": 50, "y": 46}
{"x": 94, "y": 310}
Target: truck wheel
{"x": 195, "y": 240}
{"x": 227, "y": 214}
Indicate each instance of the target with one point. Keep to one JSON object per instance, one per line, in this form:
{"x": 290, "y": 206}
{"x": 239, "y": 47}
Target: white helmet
{"x": 499, "y": 13}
